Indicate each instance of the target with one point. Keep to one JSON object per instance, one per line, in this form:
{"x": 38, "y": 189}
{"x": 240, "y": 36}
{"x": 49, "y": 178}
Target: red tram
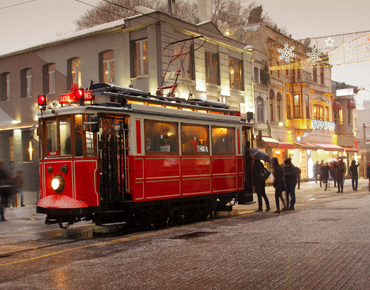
{"x": 125, "y": 156}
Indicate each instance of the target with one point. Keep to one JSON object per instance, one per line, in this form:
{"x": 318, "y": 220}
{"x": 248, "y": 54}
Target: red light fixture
{"x": 79, "y": 94}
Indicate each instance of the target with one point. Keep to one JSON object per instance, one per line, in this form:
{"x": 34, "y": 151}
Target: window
{"x": 322, "y": 74}
{"x": 77, "y": 132}
{"x": 288, "y": 114}
{"x": 27, "y": 146}
{"x": 278, "y": 69}
{"x": 26, "y": 83}
{"x": 106, "y": 67}
{"x": 260, "y": 116}
{"x": 292, "y": 71}
{"x": 74, "y": 72}
{"x": 160, "y": 138}
{"x": 307, "y": 101}
{"x": 48, "y": 71}
{"x": 327, "y": 114}
{"x": 278, "y": 107}
{"x": 314, "y": 74}
{"x": 5, "y": 86}
{"x": 297, "y": 106}
{"x": 212, "y": 68}
{"x": 51, "y": 133}
{"x": 223, "y": 141}
{"x": 271, "y": 96}
{"x": 235, "y": 70}
{"x": 349, "y": 116}
{"x": 298, "y": 69}
{"x": 194, "y": 139}
{"x": 256, "y": 75}
{"x": 318, "y": 112}
{"x": 65, "y": 136}
{"x": 141, "y": 61}
{"x": 271, "y": 62}
{"x": 186, "y": 58}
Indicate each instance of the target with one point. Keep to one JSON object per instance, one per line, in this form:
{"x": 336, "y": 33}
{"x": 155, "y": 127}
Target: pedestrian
{"x": 353, "y": 172}
{"x": 260, "y": 184}
{"x": 340, "y": 171}
{"x": 18, "y": 185}
{"x": 315, "y": 170}
{"x": 324, "y": 174}
{"x": 368, "y": 173}
{"x": 332, "y": 174}
{"x": 278, "y": 184}
{"x": 319, "y": 170}
{"x": 3, "y": 190}
{"x": 290, "y": 177}
{"x": 298, "y": 177}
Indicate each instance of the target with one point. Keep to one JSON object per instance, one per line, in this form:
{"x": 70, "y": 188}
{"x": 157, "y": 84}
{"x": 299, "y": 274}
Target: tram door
{"x": 112, "y": 150}
{"x": 248, "y": 187}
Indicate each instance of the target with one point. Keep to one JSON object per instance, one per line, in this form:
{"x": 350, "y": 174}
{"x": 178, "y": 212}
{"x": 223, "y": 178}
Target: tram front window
{"x": 51, "y": 131}
{"x": 78, "y": 135}
{"x": 194, "y": 139}
{"x": 65, "y": 136}
{"x": 223, "y": 141}
{"x": 161, "y": 138}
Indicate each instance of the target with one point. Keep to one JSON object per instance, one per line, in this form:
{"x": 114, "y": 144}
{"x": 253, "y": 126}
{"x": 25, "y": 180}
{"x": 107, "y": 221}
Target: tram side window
{"x": 194, "y": 139}
{"x": 160, "y": 138}
{"x": 223, "y": 141}
{"x": 78, "y": 135}
{"x": 65, "y": 136}
{"x": 51, "y": 133}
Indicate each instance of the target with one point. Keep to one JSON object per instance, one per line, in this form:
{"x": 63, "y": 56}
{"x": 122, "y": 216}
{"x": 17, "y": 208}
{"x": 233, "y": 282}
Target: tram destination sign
{"x": 70, "y": 98}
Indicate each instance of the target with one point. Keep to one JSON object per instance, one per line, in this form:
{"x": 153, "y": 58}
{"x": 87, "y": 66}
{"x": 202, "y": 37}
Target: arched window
{"x": 272, "y": 100}
{"x": 260, "y": 116}
{"x": 278, "y": 107}
{"x": 287, "y": 99}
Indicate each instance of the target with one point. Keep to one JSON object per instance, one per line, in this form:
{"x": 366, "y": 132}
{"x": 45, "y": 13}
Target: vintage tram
{"x": 112, "y": 154}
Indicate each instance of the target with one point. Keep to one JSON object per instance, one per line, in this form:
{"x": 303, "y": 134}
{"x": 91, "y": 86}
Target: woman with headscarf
{"x": 260, "y": 185}
{"x": 278, "y": 183}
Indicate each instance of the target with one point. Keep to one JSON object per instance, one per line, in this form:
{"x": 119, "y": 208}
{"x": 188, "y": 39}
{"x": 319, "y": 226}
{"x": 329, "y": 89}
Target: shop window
{"x": 212, "y": 68}
{"x": 223, "y": 141}
{"x": 106, "y": 66}
{"x": 236, "y": 74}
{"x": 194, "y": 139}
{"x": 5, "y": 86}
{"x": 160, "y": 138}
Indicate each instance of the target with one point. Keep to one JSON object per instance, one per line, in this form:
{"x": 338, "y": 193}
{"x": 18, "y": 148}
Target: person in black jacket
{"x": 278, "y": 183}
{"x": 290, "y": 177}
{"x": 260, "y": 185}
{"x": 324, "y": 172}
{"x": 353, "y": 172}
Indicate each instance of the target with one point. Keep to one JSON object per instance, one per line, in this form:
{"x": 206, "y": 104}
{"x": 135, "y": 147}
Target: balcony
{"x": 322, "y": 126}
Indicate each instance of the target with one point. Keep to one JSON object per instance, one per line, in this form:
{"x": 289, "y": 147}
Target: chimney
{"x": 205, "y": 10}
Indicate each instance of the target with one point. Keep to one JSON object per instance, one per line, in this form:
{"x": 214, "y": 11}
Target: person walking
{"x": 321, "y": 164}
{"x": 3, "y": 191}
{"x": 368, "y": 173}
{"x": 332, "y": 174}
{"x": 260, "y": 185}
{"x": 340, "y": 171}
{"x": 290, "y": 177}
{"x": 278, "y": 183}
{"x": 298, "y": 177}
{"x": 324, "y": 172}
{"x": 316, "y": 170}
{"x": 18, "y": 185}
{"x": 353, "y": 172}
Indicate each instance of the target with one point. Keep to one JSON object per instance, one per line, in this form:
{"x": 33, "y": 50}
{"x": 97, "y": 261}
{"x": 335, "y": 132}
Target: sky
{"x": 24, "y": 23}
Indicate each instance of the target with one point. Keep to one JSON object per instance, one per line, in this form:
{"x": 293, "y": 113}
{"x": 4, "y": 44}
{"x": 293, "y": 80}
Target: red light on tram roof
{"x": 42, "y": 101}
{"x": 79, "y": 94}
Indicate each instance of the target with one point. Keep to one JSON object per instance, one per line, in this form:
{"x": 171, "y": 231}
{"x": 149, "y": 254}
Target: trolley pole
{"x": 364, "y": 140}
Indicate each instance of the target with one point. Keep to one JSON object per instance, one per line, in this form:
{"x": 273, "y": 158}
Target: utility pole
{"x": 364, "y": 158}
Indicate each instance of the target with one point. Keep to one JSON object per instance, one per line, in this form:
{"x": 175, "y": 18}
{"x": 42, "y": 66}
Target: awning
{"x": 270, "y": 142}
{"x": 305, "y": 146}
{"x": 329, "y": 147}
{"x": 337, "y": 105}
{"x": 351, "y": 104}
{"x": 286, "y": 145}
{"x": 350, "y": 149}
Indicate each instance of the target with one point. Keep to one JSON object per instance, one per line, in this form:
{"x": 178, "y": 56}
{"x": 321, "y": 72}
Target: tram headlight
{"x": 57, "y": 183}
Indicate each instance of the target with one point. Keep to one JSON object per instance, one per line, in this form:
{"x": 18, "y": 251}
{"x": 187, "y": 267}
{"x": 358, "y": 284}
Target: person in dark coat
{"x": 290, "y": 177}
{"x": 3, "y": 191}
{"x": 298, "y": 177}
{"x": 353, "y": 172}
{"x": 316, "y": 170}
{"x": 324, "y": 172}
{"x": 332, "y": 174}
{"x": 320, "y": 165}
{"x": 340, "y": 171}
{"x": 278, "y": 183}
{"x": 260, "y": 185}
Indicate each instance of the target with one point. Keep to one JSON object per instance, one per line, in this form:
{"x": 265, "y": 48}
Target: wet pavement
{"x": 323, "y": 244}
